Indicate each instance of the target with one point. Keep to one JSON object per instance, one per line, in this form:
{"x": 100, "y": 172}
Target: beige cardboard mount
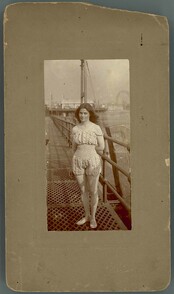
{"x": 38, "y": 260}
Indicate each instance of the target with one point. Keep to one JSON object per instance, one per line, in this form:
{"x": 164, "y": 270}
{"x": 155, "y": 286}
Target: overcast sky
{"x": 106, "y": 80}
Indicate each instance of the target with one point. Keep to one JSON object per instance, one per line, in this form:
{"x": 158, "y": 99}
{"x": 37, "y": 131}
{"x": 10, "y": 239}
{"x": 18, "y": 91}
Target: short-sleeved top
{"x": 88, "y": 136}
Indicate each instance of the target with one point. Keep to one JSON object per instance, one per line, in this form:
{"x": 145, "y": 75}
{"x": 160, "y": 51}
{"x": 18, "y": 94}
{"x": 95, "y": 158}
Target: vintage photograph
{"x": 87, "y": 144}
{"x": 87, "y": 157}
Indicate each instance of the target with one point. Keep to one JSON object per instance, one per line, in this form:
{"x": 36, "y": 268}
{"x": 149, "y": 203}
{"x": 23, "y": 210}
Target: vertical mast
{"x": 51, "y": 102}
{"x": 83, "y": 81}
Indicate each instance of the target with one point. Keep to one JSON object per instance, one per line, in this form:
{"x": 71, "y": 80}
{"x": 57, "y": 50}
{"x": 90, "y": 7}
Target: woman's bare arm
{"x": 100, "y": 143}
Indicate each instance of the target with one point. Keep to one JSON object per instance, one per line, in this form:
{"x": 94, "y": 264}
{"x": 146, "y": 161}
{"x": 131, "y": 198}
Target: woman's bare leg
{"x": 93, "y": 189}
{"x": 82, "y": 181}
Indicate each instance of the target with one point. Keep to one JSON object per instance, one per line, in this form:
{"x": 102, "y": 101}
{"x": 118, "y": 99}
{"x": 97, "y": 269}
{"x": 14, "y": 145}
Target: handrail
{"x": 117, "y": 142}
{"x": 121, "y": 199}
{"x": 66, "y": 131}
{"x": 114, "y": 164}
{"x": 63, "y": 120}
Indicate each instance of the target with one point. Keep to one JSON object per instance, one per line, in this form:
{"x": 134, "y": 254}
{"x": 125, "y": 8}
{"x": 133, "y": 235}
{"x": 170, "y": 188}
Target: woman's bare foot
{"x": 93, "y": 224}
{"x": 83, "y": 220}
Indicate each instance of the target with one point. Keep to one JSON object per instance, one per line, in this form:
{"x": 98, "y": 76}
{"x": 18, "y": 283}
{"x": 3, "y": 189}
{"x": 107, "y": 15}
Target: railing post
{"x": 114, "y": 158}
{"x": 66, "y": 133}
{"x": 69, "y": 135}
{"x": 104, "y": 176}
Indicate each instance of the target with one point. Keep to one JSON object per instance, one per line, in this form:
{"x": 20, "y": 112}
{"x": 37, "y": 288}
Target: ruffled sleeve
{"x": 74, "y": 129}
{"x": 98, "y": 131}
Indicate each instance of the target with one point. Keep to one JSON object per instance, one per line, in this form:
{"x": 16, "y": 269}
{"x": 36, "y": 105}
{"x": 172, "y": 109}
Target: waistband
{"x": 86, "y": 151}
{"x": 86, "y": 147}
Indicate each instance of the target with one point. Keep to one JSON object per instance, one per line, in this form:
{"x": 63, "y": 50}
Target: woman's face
{"x": 84, "y": 115}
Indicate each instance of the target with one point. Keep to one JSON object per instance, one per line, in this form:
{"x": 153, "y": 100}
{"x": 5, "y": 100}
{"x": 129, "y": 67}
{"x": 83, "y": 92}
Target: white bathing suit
{"x": 85, "y": 159}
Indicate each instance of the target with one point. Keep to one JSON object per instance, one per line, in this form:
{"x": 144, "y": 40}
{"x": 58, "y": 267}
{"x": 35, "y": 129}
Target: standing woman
{"x": 87, "y": 140}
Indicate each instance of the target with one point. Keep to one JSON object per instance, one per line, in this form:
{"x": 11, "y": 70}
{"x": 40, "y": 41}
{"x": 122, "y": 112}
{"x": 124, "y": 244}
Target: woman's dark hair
{"x": 92, "y": 114}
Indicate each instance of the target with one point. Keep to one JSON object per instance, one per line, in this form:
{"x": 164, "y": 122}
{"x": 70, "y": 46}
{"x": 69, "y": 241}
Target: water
{"x": 119, "y": 123}
{"x": 116, "y": 117}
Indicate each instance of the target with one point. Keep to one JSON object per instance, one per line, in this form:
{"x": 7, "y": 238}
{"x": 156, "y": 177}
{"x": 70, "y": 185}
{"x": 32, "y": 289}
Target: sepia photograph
{"x": 87, "y": 144}
{"x": 87, "y": 159}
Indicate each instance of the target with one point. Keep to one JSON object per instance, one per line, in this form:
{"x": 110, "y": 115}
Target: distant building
{"x": 113, "y": 107}
{"x": 72, "y": 105}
